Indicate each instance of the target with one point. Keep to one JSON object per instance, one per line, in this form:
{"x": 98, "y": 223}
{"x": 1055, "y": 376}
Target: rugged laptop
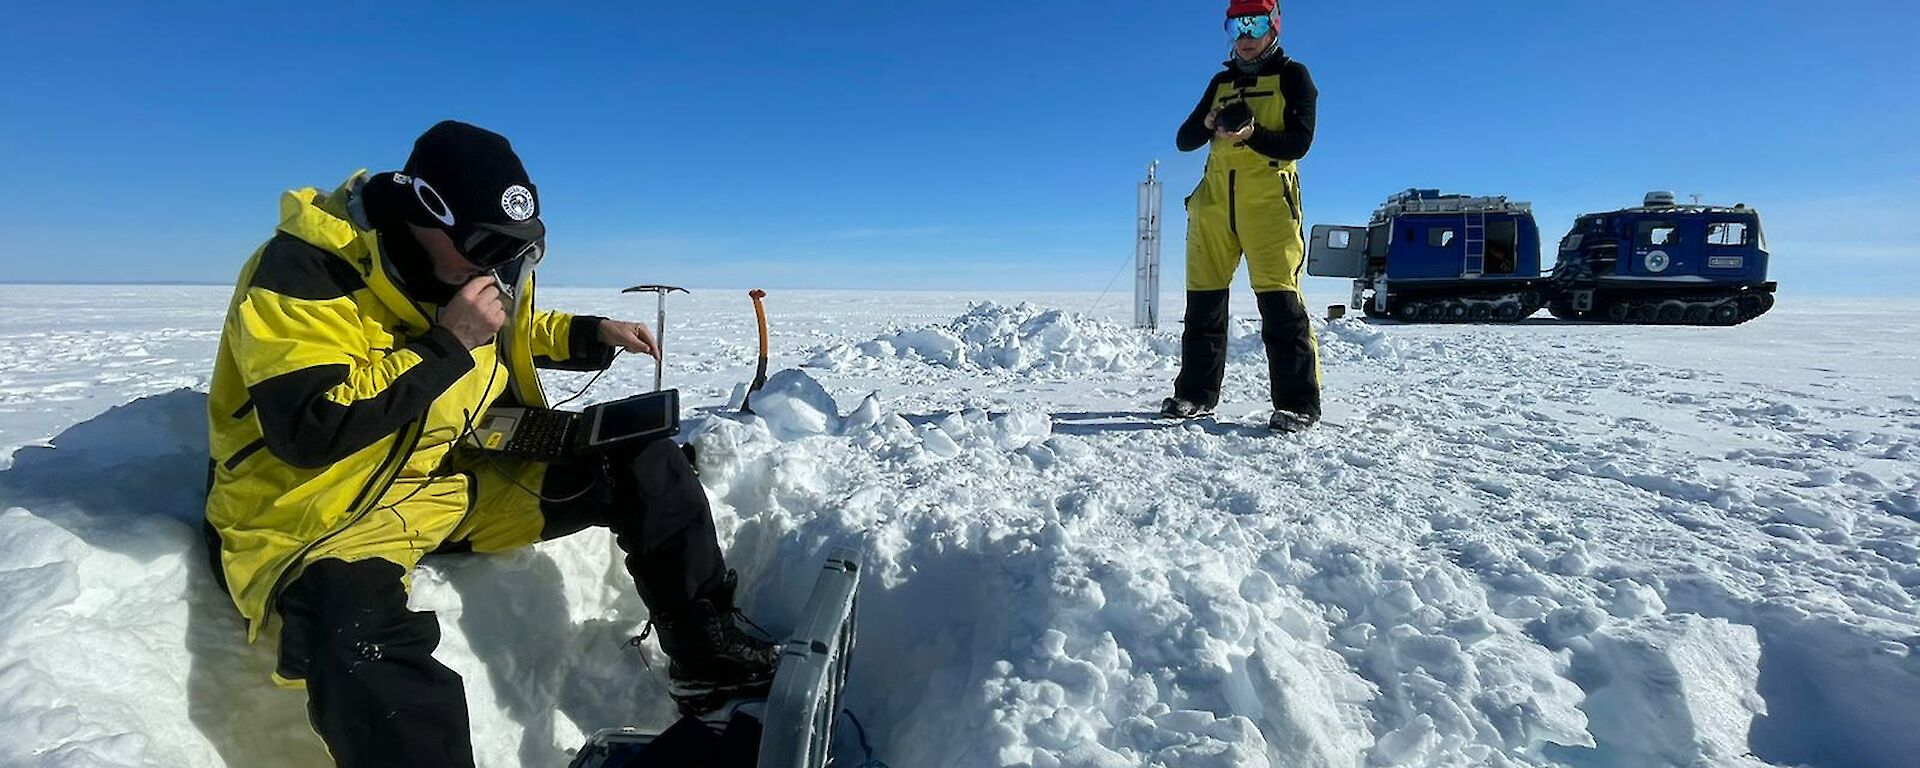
{"x": 545, "y": 434}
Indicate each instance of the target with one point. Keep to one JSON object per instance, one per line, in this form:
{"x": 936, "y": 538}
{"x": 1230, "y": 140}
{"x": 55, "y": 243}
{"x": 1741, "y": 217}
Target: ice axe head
{"x": 663, "y": 290}
{"x": 660, "y": 325}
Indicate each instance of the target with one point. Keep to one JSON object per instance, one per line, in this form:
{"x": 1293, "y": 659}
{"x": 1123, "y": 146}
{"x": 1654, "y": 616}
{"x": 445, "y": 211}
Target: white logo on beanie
{"x": 517, "y": 202}
{"x": 431, "y": 200}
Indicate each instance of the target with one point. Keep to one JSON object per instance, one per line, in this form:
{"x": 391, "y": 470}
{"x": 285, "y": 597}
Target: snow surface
{"x": 1542, "y": 544}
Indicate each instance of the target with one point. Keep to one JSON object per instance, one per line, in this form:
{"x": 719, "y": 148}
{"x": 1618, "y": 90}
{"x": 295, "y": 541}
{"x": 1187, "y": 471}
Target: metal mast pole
{"x": 1146, "y": 253}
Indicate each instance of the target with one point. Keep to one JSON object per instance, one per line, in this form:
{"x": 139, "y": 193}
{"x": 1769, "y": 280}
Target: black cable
{"x": 467, "y": 419}
{"x": 469, "y": 427}
{"x": 515, "y": 482}
{"x": 871, "y": 761}
{"x": 596, "y": 377}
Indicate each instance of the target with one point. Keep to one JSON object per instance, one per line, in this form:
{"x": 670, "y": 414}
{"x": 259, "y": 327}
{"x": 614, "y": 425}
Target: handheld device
{"x": 548, "y": 435}
{"x": 1234, "y": 116}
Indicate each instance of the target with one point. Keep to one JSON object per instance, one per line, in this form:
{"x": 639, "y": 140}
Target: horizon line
{"x": 1164, "y": 293}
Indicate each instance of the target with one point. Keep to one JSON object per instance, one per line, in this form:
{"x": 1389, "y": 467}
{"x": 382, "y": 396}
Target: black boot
{"x": 713, "y": 660}
{"x": 1289, "y": 422}
{"x": 1176, "y": 408}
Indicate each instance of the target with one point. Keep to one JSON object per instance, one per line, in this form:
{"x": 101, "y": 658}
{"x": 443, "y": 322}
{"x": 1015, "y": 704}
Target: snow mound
{"x": 1031, "y": 340}
{"x": 1354, "y": 339}
{"x": 1023, "y": 338}
{"x": 793, "y": 405}
{"x": 119, "y": 650}
{"x": 153, "y": 447}
{"x": 1677, "y": 690}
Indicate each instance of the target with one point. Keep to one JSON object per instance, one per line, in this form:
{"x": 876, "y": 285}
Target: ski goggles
{"x": 507, "y": 275}
{"x": 489, "y": 248}
{"x": 1255, "y": 27}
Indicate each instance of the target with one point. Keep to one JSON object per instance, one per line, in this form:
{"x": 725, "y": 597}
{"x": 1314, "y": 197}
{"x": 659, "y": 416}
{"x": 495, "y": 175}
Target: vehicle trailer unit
{"x": 1432, "y": 258}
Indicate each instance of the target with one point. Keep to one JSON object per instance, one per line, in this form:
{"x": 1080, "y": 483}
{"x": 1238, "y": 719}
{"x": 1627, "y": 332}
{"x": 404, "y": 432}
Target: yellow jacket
{"x": 331, "y": 383}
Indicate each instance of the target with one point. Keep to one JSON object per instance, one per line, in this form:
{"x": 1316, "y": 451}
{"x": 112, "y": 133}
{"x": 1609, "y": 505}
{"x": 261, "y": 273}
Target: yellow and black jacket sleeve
{"x": 565, "y": 342}
{"x": 322, "y": 392}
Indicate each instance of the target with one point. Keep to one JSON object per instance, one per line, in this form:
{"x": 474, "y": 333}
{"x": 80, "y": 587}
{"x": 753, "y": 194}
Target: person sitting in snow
{"x": 1248, "y": 201}
{"x": 361, "y": 344}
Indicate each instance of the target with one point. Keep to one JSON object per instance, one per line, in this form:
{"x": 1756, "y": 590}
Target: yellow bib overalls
{"x": 1248, "y": 203}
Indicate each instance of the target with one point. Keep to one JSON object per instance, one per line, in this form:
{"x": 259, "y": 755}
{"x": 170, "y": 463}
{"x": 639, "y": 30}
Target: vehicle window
{"x": 1727, "y": 233}
{"x": 1439, "y": 237}
{"x": 1658, "y": 233}
{"x": 1337, "y": 239}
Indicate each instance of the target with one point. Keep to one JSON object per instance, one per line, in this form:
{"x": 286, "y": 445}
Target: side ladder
{"x": 1476, "y": 242}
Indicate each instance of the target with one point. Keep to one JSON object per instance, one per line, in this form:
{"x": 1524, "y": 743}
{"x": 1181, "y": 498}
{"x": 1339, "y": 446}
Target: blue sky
{"x": 963, "y": 146}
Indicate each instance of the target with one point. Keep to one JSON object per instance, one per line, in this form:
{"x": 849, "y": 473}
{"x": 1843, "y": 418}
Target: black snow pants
{"x": 1293, "y": 375}
{"x": 376, "y": 695}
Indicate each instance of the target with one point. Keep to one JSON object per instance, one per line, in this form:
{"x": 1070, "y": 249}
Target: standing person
{"x": 361, "y": 344}
{"x": 1257, "y": 115}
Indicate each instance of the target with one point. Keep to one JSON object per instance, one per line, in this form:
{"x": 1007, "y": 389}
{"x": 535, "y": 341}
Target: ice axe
{"x": 759, "y": 376}
{"x": 659, "y": 328}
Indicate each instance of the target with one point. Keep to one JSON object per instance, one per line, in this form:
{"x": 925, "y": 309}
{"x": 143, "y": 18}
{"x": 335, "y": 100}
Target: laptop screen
{"x": 653, "y": 415}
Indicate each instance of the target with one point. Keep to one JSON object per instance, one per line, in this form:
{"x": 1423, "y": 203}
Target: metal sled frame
{"x": 799, "y": 713}
{"x": 813, "y": 668}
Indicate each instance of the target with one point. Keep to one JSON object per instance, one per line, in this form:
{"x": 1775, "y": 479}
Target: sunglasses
{"x": 1255, "y": 27}
{"x": 488, "y": 249}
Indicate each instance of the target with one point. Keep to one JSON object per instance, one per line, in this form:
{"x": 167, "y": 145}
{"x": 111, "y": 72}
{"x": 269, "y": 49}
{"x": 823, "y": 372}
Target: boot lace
{"x": 765, "y": 636}
{"x": 638, "y": 644}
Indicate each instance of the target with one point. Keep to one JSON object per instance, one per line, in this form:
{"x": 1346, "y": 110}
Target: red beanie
{"x": 1251, "y": 7}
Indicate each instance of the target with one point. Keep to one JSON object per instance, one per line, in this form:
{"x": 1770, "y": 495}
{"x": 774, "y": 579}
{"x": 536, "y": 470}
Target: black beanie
{"x": 461, "y": 178}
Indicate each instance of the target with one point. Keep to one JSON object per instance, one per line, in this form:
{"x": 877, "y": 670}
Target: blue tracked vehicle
{"x": 1434, "y": 258}
{"x": 1664, "y": 264}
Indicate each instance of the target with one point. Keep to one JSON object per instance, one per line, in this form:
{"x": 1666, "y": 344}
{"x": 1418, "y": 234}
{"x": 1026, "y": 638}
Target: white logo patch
{"x": 517, "y": 202}
{"x": 431, "y": 200}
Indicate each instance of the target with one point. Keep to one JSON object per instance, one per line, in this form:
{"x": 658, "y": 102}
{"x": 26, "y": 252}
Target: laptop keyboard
{"x": 541, "y": 433}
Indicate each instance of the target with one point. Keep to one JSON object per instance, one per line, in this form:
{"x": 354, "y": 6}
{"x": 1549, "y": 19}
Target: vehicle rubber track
{"x": 1487, "y": 308}
{"x": 1723, "y": 310}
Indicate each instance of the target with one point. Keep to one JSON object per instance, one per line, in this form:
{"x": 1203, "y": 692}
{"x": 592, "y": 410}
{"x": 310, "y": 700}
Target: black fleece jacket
{"x": 1291, "y": 141}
